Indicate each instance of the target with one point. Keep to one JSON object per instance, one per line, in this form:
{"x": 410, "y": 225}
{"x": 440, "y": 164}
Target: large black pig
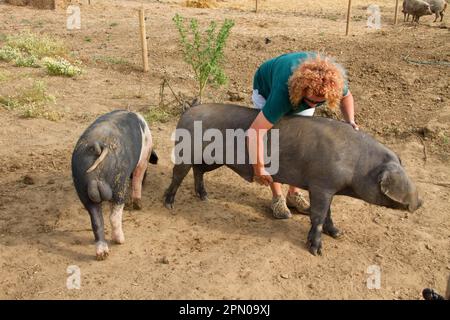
{"x": 324, "y": 156}
{"x": 117, "y": 146}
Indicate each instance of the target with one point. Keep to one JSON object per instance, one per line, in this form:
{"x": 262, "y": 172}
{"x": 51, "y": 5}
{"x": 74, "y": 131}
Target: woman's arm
{"x": 348, "y": 109}
{"x": 257, "y": 130}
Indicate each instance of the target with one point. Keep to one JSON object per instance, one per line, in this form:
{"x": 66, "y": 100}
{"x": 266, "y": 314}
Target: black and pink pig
{"x": 113, "y": 149}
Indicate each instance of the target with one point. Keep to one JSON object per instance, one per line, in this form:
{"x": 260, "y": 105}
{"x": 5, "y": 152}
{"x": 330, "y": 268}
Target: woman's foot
{"x": 297, "y": 201}
{"x": 279, "y": 208}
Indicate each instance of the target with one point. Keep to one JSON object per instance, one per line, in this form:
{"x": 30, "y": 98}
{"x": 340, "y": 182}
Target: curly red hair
{"x": 318, "y": 76}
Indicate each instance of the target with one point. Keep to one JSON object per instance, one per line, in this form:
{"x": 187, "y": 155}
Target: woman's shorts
{"x": 259, "y": 101}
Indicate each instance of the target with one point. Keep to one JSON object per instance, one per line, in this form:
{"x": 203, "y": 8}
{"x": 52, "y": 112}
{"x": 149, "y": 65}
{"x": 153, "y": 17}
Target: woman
{"x": 295, "y": 83}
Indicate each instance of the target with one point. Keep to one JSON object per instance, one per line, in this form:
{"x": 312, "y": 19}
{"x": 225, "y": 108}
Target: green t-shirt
{"x": 271, "y": 81}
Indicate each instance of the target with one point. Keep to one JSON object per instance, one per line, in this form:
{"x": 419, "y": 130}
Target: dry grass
{"x": 32, "y": 102}
{"x": 201, "y": 4}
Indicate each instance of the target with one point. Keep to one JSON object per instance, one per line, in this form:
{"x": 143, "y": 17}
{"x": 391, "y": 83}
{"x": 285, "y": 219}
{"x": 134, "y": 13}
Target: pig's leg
{"x": 320, "y": 203}
{"x": 116, "y": 223}
{"x": 141, "y": 167}
{"x": 329, "y": 228}
{"x": 179, "y": 172}
{"x": 101, "y": 247}
{"x": 436, "y": 16}
{"x": 199, "y": 183}
{"x": 136, "y": 183}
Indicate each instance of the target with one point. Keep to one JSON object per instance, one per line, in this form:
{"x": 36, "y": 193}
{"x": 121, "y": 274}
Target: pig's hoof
{"x": 137, "y": 204}
{"x": 203, "y": 196}
{"x": 315, "y": 251}
{"x": 168, "y": 201}
{"x": 118, "y": 237}
{"x": 101, "y": 250}
{"x": 333, "y": 232}
{"x": 168, "y": 205}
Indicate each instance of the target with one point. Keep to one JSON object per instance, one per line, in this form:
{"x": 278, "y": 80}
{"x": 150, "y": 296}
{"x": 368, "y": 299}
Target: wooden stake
{"x": 396, "y": 11}
{"x": 256, "y": 8}
{"x": 348, "y": 17}
{"x": 143, "y": 39}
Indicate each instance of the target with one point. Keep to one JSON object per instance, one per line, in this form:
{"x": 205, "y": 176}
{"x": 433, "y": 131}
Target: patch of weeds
{"x": 39, "y": 46}
{"x": 332, "y": 17}
{"x": 112, "y": 60}
{"x": 32, "y": 102}
{"x": 8, "y": 53}
{"x": 114, "y": 24}
{"x": 157, "y": 114}
{"x": 4, "y": 75}
{"x": 88, "y": 39}
{"x": 61, "y": 67}
{"x": 161, "y": 114}
{"x": 31, "y": 50}
{"x": 27, "y": 61}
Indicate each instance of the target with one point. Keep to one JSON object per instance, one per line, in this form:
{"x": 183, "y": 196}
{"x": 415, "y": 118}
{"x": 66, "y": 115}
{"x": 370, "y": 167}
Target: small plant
{"x": 27, "y": 61}
{"x": 61, "y": 67}
{"x": 88, "y": 39}
{"x": 30, "y": 50}
{"x": 39, "y": 46}
{"x": 8, "y": 54}
{"x": 32, "y": 102}
{"x": 157, "y": 114}
{"x": 204, "y": 53}
{"x": 114, "y": 24}
{"x": 112, "y": 60}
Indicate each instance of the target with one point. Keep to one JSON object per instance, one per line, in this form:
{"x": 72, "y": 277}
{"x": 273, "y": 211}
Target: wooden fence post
{"x": 143, "y": 39}
{"x": 348, "y": 17}
{"x": 396, "y": 11}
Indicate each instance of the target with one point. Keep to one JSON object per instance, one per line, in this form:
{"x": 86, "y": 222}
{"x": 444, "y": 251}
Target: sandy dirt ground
{"x": 229, "y": 247}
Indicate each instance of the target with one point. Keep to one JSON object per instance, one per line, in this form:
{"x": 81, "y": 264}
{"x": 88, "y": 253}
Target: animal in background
{"x": 437, "y": 7}
{"x": 416, "y": 8}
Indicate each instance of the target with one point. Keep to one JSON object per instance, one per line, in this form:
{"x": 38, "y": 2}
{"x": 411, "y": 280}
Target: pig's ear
{"x": 394, "y": 185}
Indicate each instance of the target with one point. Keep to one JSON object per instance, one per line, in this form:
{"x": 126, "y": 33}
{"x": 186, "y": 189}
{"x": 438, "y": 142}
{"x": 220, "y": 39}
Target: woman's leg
{"x": 276, "y": 189}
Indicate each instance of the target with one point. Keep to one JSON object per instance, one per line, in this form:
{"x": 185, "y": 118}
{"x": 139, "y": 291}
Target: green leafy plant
{"x": 27, "y": 61}
{"x": 61, "y": 67}
{"x": 39, "y": 46}
{"x": 31, "y": 50}
{"x": 204, "y": 52}
{"x": 158, "y": 114}
{"x": 8, "y": 53}
{"x": 32, "y": 102}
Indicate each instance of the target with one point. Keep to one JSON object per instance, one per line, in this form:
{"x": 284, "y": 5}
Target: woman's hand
{"x": 261, "y": 176}
{"x": 256, "y": 132}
